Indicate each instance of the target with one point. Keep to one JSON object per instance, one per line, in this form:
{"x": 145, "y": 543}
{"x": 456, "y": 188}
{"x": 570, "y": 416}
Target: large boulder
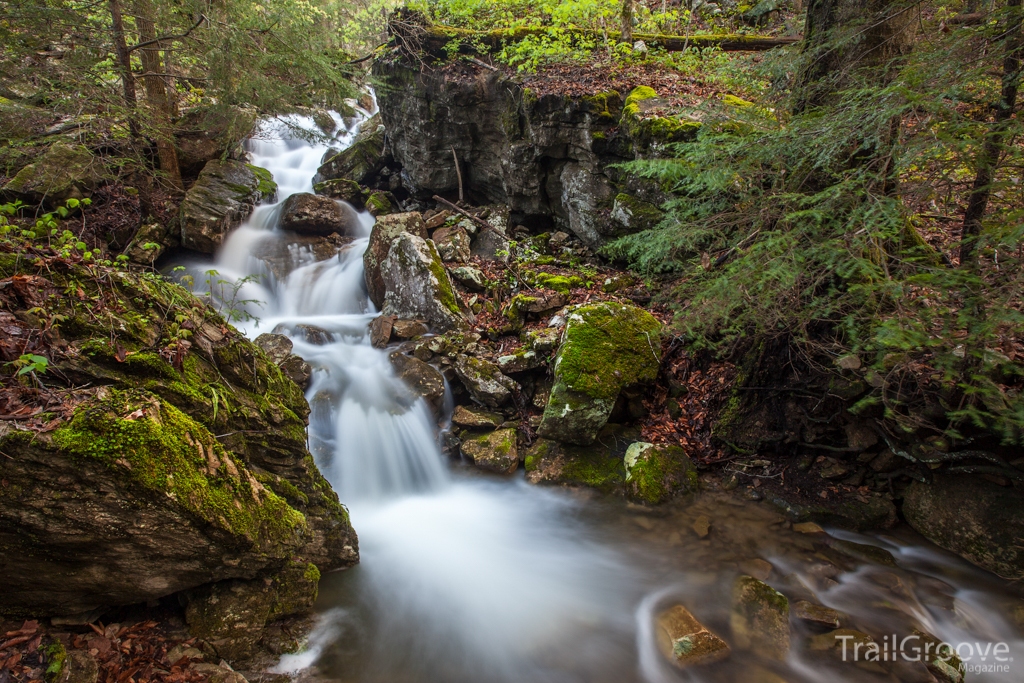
{"x": 606, "y": 347}
{"x": 310, "y": 214}
{"x": 361, "y": 160}
{"x": 974, "y": 518}
{"x": 599, "y": 466}
{"x": 384, "y": 232}
{"x": 63, "y": 172}
{"x": 157, "y": 479}
{"x": 223, "y": 196}
{"x": 203, "y": 134}
{"x": 417, "y": 284}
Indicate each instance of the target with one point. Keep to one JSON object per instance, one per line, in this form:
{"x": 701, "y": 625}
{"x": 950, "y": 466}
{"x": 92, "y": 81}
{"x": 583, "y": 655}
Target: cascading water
{"x": 467, "y": 578}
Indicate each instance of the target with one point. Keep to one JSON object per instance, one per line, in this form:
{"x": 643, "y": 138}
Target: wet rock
{"x": 485, "y": 381}
{"x": 385, "y": 231}
{"x": 656, "y": 473}
{"x": 380, "y": 330}
{"x": 362, "y": 160}
{"x": 344, "y": 189}
{"x": 310, "y": 214}
{"x": 495, "y": 452}
{"x": 423, "y": 379}
{"x": 472, "y": 418}
{"x": 939, "y": 657}
{"x": 684, "y": 641}
{"x": 840, "y": 641}
{"x": 859, "y": 513}
{"x": 817, "y": 615}
{"x": 277, "y": 346}
{"x": 863, "y": 552}
{"x": 79, "y": 667}
{"x": 63, "y": 172}
{"x": 230, "y": 615}
{"x": 297, "y": 370}
{"x": 599, "y": 466}
{"x": 760, "y": 618}
{"x": 757, "y": 568}
{"x": 974, "y": 518}
{"x": 469, "y": 277}
{"x": 701, "y": 526}
{"x": 417, "y": 285}
{"x": 452, "y": 244}
{"x": 313, "y": 334}
{"x": 607, "y": 347}
{"x": 222, "y": 197}
{"x": 409, "y": 329}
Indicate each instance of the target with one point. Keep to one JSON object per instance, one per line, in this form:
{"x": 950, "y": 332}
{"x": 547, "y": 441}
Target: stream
{"x": 466, "y": 577}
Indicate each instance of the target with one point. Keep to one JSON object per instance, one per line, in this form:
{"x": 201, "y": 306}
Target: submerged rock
{"x": 417, "y": 285}
{"x": 974, "y": 518}
{"x": 656, "y": 473}
{"x": 760, "y": 618}
{"x": 222, "y": 197}
{"x": 607, "y": 347}
{"x": 310, "y": 214}
{"x": 385, "y": 231}
{"x": 684, "y": 641}
{"x": 817, "y": 614}
{"x": 495, "y": 452}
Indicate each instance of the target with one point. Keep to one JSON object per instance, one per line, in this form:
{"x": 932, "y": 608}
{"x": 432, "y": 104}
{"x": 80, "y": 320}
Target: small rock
{"x": 757, "y": 568}
{"x": 684, "y": 641}
{"x": 380, "y": 330}
{"x": 808, "y": 528}
{"x": 836, "y": 641}
{"x": 520, "y": 362}
{"x": 423, "y": 379}
{"x": 495, "y": 452}
{"x": 942, "y": 661}
{"x": 277, "y": 346}
{"x": 175, "y": 654}
{"x": 219, "y": 673}
{"x": 656, "y": 473}
{"x": 437, "y": 220}
{"x": 892, "y": 583}
{"x": 297, "y": 370}
{"x": 702, "y": 526}
{"x": 452, "y": 244}
{"x": 833, "y": 469}
{"x": 469, "y": 277}
{"x": 314, "y": 335}
{"x": 485, "y": 381}
{"x": 79, "y": 667}
{"x": 816, "y": 614}
{"x": 760, "y": 618}
{"x": 558, "y": 240}
{"x": 866, "y": 553}
{"x": 849, "y": 362}
{"x": 472, "y": 418}
{"x": 489, "y": 244}
{"x": 409, "y": 329}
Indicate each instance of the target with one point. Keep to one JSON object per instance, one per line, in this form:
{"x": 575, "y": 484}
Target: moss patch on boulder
{"x": 656, "y": 473}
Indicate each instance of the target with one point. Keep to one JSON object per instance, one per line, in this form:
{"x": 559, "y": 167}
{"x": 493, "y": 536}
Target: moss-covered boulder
{"x": 361, "y": 160}
{"x": 656, "y": 473}
{"x": 417, "y": 285}
{"x": 178, "y": 467}
{"x": 223, "y": 195}
{"x": 598, "y": 466}
{"x": 494, "y": 452}
{"x": 63, "y": 172}
{"x": 649, "y": 130}
{"x": 310, "y": 214}
{"x": 760, "y": 618}
{"x": 976, "y": 519}
{"x": 634, "y": 214}
{"x": 606, "y": 347}
{"x": 385, "y": 231}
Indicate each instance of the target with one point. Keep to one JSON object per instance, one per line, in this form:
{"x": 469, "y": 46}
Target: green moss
{"x": 9, "y": 264}
{"x": 605, "y": 105}
{"x": 158, "y": 447}
{"x": 594, "y": 469}
{"x": 653, "y": 129}
{"x": 608, "y": 346}
{"x": 378, "y": 204}
{"x": 445, "y": 293}
{"x": 267, "y": 187}
{"x": 311, "y": 573}
{"x": 56, "y": 656}
{"x": 655, "y": 473}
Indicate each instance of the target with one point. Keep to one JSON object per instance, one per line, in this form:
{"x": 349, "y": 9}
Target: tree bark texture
{"x": 157, "y": 97}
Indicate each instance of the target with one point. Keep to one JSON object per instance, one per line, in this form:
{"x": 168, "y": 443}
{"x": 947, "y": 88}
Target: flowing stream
{"x": 465, "y": 577}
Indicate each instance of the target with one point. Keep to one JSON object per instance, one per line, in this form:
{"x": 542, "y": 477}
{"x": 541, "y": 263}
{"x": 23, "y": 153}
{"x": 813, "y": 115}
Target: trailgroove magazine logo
{"x": 965, "y": 657}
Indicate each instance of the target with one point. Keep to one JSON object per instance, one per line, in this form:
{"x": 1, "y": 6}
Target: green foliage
{"x": 808, "y": 229}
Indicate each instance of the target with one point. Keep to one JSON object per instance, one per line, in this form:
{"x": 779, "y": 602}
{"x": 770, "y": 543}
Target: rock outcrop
{"x": 63, "y": 172}
{"x": 130, "y": 495}
{"x": 223, "y": 196}
{"x": 364, "y": 158}
{"x": 385, "y": 231}
{"x": 549, "y": 157}
{"x": 417, "y": 285}
{"x": 606, "y": 347}
{"x": 972, "y": 517}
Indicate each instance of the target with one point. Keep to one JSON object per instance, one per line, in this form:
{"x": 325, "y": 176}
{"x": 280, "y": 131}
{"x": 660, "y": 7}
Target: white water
{"x": 466, "y": 578}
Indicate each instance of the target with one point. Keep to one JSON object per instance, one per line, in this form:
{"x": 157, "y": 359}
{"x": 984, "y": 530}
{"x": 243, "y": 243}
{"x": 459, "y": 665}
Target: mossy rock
{"x": 760, "y": 618}
{"x": 599, "y": 466}
{"x": 634, "y": 214}
{"x": 134, "y": 497}
{"x": 63, "y": 172}
{"x": 607, "y": 346}
{"x": 656, "y": 473}
{"x": 361, "y": 160}
{"x": 494, "y": 452}
{"x": 222, "y": 197}
{"x": 647, "y": 131}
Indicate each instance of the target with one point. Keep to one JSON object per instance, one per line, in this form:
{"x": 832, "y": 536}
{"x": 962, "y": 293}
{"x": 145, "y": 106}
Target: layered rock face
{"x": 223, "y": 196}
{"x": 176, "y": 469}
{"x": 547, "y": 157}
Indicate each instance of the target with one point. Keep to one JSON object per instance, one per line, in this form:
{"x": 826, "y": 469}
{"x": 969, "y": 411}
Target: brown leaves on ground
{"x": 135, "y": 653}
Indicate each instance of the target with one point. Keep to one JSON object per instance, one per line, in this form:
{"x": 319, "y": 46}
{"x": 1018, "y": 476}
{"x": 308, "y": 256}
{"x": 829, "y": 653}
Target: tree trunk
{"x": 156, "y": 96}
{"x": 841, "y": 36}
{"x": 626, "y": 34}
{"x": 124, "y": 63}
{"x": 992, "y": 148}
